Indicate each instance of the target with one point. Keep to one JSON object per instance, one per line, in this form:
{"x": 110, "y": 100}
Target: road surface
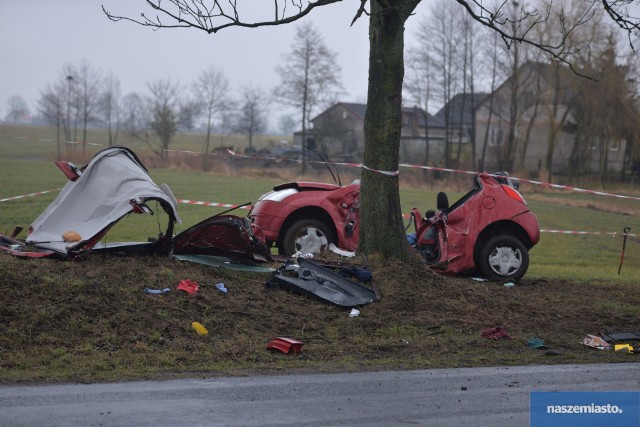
{"x": 468, "y": 396}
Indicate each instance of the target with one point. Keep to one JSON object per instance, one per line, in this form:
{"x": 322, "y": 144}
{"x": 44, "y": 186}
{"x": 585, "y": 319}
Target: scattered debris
{"x": 354, "y": 312}
{"x": 285, "y": 345}
{"x": 509, "y": 284}
{"x": 336, "y": 250}
{"x": 188, "y": 286}
{"x": 625, "y": 348}
{"x": 479, "y": 279}
{"x": 223, "y": 262}
{"x": 361, "y": 274}
{"x": 310, "y": 279}
{"x": 223, "y": 236}
{"x": 609, "y": 336}
{"x": 537, "y": 343}
{"x": 199, "y": 328}
{"x": 497, "y": 333}
{"x": 221, "y": 288}
{"x": 595, "y": 342}
{"x": 156, "y": 291}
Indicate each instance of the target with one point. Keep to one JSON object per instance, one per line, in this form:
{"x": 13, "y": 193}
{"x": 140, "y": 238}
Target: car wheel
{"x": 307, "y": 236}
{"x": 503, "y": 257}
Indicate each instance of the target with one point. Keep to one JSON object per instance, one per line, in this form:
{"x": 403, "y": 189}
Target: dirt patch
{"x": 90, "y": 319}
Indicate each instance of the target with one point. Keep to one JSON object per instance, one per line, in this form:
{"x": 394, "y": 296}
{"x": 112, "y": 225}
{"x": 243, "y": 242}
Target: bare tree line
{"x": 587, "y": 87}
{"x": 82, "y": 96}
{"x": 454, "y": 63}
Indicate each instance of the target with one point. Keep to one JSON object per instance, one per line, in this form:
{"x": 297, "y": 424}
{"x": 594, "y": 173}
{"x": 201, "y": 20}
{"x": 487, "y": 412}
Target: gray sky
{"x": 38, "y": 37}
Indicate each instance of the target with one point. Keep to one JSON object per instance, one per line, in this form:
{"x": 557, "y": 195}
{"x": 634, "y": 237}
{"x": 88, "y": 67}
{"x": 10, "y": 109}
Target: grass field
{"x": 89, "y": 320}
{"x": 26, "y": 156}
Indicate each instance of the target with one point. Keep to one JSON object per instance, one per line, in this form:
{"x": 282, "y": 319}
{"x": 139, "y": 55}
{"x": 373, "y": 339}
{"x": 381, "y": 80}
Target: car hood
{"x": 307, "y": 186}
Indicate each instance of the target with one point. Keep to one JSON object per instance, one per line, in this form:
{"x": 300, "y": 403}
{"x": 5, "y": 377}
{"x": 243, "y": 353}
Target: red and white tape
{"x": 214, "y": 204}
{"x": 236, "y": 206}
{"x": 596, "y": 233}
{"x": 397, "y": 172}
{"x": 39, "y": 193}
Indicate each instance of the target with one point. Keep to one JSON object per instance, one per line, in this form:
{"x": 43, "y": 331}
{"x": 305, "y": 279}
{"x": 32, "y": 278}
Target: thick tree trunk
{"x": 381, "y": 227}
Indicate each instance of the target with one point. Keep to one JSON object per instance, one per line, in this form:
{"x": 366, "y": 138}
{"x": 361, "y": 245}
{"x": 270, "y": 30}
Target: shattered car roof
{"x": 112, "y": 185}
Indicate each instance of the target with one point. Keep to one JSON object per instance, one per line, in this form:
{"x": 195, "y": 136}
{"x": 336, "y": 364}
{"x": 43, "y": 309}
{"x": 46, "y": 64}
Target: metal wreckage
{"x": 488, "y": 231}
{"x": 115, "y": 184}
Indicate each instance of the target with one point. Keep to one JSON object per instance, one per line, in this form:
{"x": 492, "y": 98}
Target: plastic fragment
{"x": 199, "y": 328}
{"x": 156, "y": 291}
{"x": 188, "y": 286}
{"x": 221, "y": 288}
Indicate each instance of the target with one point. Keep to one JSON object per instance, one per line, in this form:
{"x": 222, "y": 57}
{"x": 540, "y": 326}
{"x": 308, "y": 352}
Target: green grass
{"x": 27, "y": 167}
{"x": 89, "y": 320}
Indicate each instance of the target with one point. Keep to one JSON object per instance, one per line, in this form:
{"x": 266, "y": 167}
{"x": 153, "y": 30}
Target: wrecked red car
{"x": 306, "y": 217}
{"x": 111, "y": 186}
{"x": 489, "y": 230}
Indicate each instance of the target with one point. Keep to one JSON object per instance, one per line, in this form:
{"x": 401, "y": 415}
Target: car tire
{"x": 307, "y": 236}
{"x": 503, "y": 257}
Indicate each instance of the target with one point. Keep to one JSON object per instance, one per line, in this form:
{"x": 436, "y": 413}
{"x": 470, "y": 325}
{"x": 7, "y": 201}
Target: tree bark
{"x": 381, "y": 227}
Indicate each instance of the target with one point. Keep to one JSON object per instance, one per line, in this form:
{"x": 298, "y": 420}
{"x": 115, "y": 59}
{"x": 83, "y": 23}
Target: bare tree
{"x": 134, "y": 115}
{"x": 309, "y": 78}
{"x": 604, "y": 112}
{"x": 157, "y": 118}
{"x": 18, "y": 109}
{"x": 419, "y": 87}
{"x": 381, "y": 228}
{"x": 67, "y": 76}
{"x": 88, "y": 85}
{"x": 252, "y": 118}
{"x": 212, "y": 92}
{"x": 439, "y": 38}
{"x": 110, "y": 106}
{"x": 51, "y": 105}
{"x": 286, "y": 124}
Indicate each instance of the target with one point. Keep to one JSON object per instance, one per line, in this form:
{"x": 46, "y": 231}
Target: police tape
{"x": 213, "y": 204}
{"x": 388, "y": 173}
{"x": 185, "y": 201}
{"x": 595, "y": 233}
{"x": 433, "y": 168}
{"x": 237, "y": 206}
{"x": 39, "y": 193}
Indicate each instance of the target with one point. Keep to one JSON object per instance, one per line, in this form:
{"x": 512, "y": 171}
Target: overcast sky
{"x": 38, "y": 37}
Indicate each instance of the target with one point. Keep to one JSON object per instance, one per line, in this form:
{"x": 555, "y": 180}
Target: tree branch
{"x": 360, "y": 11}
{"x": 495, "y": 20}
{"x": 194, "y": 14}
{"x": 618, "y": 10}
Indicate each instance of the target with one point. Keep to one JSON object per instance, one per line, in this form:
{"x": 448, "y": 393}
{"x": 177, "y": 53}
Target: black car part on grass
{"x": 307, "y": 278}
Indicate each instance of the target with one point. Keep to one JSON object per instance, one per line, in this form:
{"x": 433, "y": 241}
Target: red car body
{"x": 489, "y": 230}
{"x": 331, "y": 207}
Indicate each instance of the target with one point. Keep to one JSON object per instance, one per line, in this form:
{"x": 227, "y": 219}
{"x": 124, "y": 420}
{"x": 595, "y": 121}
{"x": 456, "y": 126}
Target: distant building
{"x": 518, "y": 138}
{"x": 339, "y": 133}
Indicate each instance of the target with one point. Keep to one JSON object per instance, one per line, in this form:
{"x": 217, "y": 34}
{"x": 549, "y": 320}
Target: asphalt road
{"x": 474, "y": 397}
